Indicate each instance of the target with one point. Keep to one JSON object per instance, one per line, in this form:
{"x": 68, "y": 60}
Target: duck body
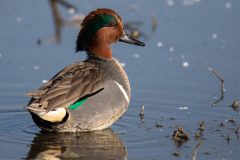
{"x": 108, "y": 102}
{"x": 88, "y": 95}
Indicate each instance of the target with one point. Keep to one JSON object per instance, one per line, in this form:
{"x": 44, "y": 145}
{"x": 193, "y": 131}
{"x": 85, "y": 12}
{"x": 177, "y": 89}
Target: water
{"x": 169, "y": 76}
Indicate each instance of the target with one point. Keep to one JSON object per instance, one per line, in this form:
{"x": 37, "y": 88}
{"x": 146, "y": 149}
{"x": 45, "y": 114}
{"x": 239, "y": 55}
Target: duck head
{"x": 100, "y": 29}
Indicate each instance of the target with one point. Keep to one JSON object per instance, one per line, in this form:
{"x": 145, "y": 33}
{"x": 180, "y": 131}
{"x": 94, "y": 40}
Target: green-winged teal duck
{"x": 88, "y": 95}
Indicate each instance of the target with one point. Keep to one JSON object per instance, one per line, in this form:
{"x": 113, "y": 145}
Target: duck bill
{"x": 125, "y": 38}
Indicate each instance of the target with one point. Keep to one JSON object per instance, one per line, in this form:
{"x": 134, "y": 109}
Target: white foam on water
{"x": 182, "y": 56}
{"x": 183, "y": 108}
{"x": 44, "y": 81}
{"x": 123, "y": 64}
{"x": 136, "y": 55}
{"x": 214, "y": 36}
{"x": 71, "y": 11}
{"x": 228, "y": 5}
{"x": 159, "y": 44}
{"x": 171, "y": 49}
{"x": 170, "y": 2}
{"x": 36, "y": 67}
{"x": 185, "y": 64}
{"x": 190, "y": 2}
{"x": 19, "y": 19}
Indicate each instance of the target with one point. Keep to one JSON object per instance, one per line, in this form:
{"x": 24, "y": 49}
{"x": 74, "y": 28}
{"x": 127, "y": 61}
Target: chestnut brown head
{"x": 100, "y": 29}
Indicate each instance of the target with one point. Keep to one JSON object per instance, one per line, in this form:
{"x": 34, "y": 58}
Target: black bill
{"x": 125, "y": 38}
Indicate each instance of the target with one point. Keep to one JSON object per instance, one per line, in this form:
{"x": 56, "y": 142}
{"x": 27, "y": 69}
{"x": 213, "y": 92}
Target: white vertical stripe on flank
{"x": 123, "y": 91}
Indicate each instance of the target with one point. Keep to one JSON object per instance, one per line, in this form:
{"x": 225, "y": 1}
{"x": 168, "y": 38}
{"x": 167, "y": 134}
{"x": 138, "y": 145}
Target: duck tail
{"x": 56, "y": 115}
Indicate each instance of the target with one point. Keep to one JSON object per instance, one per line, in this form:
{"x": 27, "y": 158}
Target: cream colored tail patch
{"x": 56, "y": 115}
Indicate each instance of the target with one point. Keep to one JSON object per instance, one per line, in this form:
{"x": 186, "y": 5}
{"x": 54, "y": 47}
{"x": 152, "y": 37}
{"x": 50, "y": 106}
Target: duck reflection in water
{"x": 103, "y": 144}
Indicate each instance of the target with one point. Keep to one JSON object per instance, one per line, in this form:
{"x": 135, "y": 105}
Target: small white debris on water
{"x": 171, "y": 49}
{"x": 19, "y": 19}
{"x": 210, "y": 69}
{"x": 226, "y": 120}
{"x": 214, "y": 36}
{"x": 160, "y": 130}
{"x": 183, "y": 108}
{"x": 228, "y": 5}
{"x": 71, "y": 11}
{"x": 159, "y": 44}
{"x": 133, "y": 7}
{"x": 36, "y": 67}
{"x": 170, "y": 2}
{"x": 44, "y": 81}
{"x": 189, "y": 2}
{"x": 123, "y": 64}
{"x": 185, "y": 64}
{"x": 136, "y": 55}
{"x": 215, "y": 97}
{"x": 77, "y": 17}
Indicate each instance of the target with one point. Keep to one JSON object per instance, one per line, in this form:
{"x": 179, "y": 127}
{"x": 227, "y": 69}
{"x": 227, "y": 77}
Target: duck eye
{"x": 111, "y": 24}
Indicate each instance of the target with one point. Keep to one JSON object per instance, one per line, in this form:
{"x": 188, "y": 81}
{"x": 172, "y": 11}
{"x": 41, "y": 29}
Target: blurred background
{"x": 189, "y": 43}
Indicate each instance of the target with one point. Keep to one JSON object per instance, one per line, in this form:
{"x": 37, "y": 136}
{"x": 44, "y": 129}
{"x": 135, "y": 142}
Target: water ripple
{"x": 14, "y": 127}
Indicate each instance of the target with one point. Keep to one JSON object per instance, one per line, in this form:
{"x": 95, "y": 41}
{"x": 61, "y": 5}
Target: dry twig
{"x": 235, "y": 105}
{"x": 154, "y": 24}
{"x": 141, "y": 114}
{"x": 195, "y": 150}
{"x": 201, "y": 126}
{"x": 215, "y": 73}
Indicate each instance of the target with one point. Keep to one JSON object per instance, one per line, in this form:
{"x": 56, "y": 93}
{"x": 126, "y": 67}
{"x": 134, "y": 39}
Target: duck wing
{"x": 76, "y": 81}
